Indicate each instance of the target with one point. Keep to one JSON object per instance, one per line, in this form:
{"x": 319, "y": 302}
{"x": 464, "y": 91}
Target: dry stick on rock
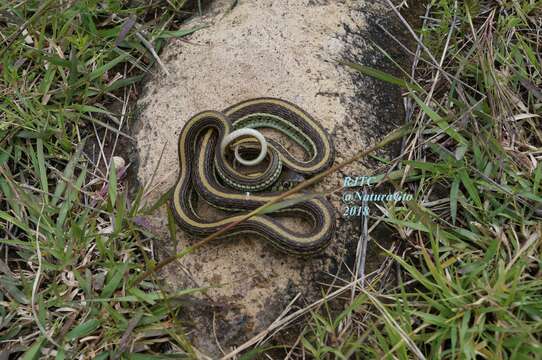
{"x": 391, "y": 137}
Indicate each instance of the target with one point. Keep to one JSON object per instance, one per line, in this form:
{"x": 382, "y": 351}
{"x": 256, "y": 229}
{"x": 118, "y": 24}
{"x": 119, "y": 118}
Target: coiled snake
{"x": 206, "y": 172}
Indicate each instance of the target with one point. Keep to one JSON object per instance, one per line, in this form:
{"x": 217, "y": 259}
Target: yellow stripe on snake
{"x": 205, "y": 172}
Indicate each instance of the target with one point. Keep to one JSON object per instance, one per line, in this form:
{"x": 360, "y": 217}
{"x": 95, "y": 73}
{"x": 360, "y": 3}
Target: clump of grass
{"x": 70, "y": 240}
{"x": 469, "y": 247}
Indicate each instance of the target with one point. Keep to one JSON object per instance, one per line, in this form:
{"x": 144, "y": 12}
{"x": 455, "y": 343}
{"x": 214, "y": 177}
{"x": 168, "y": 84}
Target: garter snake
{"x": 205, "y": 173}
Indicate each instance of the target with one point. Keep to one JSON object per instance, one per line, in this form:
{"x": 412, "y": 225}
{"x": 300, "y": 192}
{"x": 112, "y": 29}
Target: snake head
{"x": 290, "y": 179}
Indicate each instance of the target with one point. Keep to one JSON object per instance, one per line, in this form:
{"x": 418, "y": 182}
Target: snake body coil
{"x": 205, "y": 171}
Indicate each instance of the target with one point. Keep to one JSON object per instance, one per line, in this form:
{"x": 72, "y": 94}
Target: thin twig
{"x": 149, "y": 47}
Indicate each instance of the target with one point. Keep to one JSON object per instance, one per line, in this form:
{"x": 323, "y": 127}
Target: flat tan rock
{"x": 262, "y": 48}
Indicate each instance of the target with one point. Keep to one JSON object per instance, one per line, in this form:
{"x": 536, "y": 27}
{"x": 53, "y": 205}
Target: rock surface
{"x": 280, "y": 48}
